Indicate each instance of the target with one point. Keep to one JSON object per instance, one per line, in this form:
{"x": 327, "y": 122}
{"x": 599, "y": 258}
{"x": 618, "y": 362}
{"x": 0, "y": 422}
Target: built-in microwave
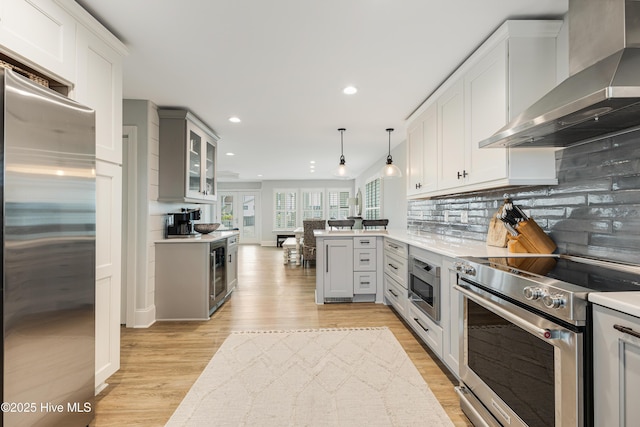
{"x": 424, "y": 287}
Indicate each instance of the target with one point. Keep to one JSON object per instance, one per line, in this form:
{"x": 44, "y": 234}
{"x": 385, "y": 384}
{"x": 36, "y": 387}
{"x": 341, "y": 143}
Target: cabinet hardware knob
{"x": 418, "y": 186}
{"x": 464, "y": 174}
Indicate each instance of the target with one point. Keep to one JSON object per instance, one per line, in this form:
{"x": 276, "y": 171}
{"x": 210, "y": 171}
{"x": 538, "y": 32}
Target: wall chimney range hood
{"x": 602, "y": 95}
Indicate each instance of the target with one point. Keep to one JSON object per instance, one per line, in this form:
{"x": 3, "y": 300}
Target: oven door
{"x": 525, "y": 369}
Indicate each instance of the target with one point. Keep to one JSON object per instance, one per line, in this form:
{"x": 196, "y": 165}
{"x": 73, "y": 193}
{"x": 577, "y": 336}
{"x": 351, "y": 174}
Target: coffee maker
{"x": 180, "y": 224}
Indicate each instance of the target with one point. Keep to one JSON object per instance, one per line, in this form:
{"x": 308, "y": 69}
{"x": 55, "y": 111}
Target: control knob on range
{"x": 464, "y": 268}
{"x": 532, "y": 293}
{"x": 554, "y": 300}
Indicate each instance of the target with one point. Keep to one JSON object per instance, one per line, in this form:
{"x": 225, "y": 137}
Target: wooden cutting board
{"x": 497, "y": 233}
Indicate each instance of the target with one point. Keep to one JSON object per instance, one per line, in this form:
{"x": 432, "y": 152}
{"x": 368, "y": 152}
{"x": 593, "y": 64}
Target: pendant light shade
{"x": 390, "y": 170}
{"x": 341, "y": 171}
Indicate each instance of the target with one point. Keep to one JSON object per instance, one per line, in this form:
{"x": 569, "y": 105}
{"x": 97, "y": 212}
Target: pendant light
{"x": 341, "y": 171}
{"x": 390, "y": 170}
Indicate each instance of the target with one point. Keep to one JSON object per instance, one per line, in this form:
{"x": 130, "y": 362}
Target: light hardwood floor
{"x": 159, "y": 364}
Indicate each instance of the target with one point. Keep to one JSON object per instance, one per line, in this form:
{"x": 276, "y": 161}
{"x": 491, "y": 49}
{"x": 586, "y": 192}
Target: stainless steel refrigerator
{"x": 48, "y": 259}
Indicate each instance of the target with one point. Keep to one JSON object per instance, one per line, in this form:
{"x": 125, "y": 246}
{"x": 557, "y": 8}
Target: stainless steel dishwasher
{"x": 217, "y": 275}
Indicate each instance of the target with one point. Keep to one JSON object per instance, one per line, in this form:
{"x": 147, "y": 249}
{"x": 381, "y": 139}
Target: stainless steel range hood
{"x": 602, "y": 95}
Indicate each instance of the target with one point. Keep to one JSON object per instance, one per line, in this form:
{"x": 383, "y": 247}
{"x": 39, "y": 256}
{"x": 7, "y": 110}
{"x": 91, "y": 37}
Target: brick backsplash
{"x": 593, "y": 211}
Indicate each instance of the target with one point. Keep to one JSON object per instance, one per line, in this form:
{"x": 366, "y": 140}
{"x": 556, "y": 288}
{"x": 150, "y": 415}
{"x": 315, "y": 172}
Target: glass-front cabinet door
{"x": 194, "y": 160}
{"x": 201, "y": 161}
{"x": 209, "y": 173}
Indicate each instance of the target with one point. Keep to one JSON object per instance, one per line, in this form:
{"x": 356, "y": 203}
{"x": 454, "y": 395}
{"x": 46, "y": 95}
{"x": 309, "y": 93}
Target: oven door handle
{"x": 527, "y": 326}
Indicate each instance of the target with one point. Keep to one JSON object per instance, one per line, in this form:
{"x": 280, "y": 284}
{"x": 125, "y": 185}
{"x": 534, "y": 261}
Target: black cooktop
{"x": 595, "y": 275}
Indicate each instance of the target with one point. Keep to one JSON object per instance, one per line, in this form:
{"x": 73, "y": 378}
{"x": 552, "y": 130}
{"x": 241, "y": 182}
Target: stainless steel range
{"x": 527, "y": 337}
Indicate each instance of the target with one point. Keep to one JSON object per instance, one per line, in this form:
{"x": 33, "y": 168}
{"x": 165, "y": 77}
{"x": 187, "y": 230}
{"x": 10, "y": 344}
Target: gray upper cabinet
{"x": 188, "y": 150}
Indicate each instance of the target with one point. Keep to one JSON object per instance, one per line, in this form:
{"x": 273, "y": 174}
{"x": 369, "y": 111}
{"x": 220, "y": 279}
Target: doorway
{"x": 240, "y": 209}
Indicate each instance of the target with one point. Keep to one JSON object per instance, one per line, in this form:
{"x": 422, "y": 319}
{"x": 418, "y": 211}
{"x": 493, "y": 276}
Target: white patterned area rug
{"x": 325, "y": 377}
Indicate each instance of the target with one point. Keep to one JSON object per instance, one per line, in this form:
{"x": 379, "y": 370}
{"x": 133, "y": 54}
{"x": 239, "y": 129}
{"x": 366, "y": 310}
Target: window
{"x": 312, "y": 206}
{"x": 285, "y": 209}
{"x": 372, "y": 199}
{"x": 291, "y": 206}
{"x": 338, "y": 201}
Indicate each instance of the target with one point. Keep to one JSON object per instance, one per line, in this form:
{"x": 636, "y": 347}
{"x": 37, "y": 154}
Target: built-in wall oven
{"x": 526, "y": 351}
{"x": 424, "y": 287}
{"x": 217, "y": 274}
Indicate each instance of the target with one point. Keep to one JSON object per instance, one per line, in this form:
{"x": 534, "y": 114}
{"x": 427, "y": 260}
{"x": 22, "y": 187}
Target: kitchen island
{"x": 334, "y": 272}
{"x": 373, "y": 266}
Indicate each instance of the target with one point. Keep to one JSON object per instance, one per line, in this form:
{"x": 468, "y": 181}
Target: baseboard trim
{"x": 145, "y": 318}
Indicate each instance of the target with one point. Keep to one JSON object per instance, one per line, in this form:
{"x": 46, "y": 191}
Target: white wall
{"x": 394, "y": 191}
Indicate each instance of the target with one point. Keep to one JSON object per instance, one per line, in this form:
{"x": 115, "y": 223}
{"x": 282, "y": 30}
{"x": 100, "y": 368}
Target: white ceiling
{"x": 281, "y": 65}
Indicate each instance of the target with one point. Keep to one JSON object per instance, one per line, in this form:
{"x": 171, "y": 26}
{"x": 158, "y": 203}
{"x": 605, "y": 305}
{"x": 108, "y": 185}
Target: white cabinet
{"x": 451, "y": 143}
{"x": 426, "y": 329}
{"x": 616, "y": 367}
{"x": 395, "y": 276}
{"x": 422, "y": 156}
{"x": 348, "y": 268}
{"x": 365, "y": 280}
{"x": 451, "y": 317}
{"x": 509, "y": 72}
{"x": 188, "y": 150}
{"x": 99, "y": 85}
{"x": 108, "y": 266}
{"x": 338, "y": 268}
{"x": 41, "y": 34}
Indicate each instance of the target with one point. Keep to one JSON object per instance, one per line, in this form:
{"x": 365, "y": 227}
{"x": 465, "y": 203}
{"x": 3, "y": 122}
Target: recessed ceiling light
{"x": 312, "y": 161}
{"x": 234, "y": 119}
{"x": 230, "y": 154}
{"x": 349, "y": 90}
{"x": 259, "y": 174}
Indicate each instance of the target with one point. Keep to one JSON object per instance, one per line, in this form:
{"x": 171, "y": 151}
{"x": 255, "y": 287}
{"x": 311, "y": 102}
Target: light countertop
{"x": 444, "y": 245}
{"x": 626, "y": 302}
{"x": 201, "y": 238}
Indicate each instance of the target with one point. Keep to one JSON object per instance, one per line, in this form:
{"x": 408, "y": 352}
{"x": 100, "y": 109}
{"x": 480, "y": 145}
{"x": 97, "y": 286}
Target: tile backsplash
{"x": 593, "y": 211}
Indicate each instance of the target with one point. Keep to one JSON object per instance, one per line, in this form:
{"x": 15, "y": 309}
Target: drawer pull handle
{"x": 365, "y": 283}
{"x": 420, "y": 324}
{"x": 626, "y": 330}
{"x": 394, "y": 246}
{"x": 393, "y": 266}
{"x": 392, "y": 292}
{"x": 364, "y": 260}
{"x": 364, "y": 242}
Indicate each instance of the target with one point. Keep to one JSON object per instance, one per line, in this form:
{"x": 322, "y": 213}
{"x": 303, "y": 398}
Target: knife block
{"x": 532, "y": 239}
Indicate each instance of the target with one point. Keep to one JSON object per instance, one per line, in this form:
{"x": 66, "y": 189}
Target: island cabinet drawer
{"x": 396, "y": 267}
{"x": 364, "y": 259}
{"x": 396, "y": 295}
{"x": 364, "y": 282}
{"x": 364, "y": 242}
{"x": 430, "y": 333}
{"x": 396, "y": 248}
